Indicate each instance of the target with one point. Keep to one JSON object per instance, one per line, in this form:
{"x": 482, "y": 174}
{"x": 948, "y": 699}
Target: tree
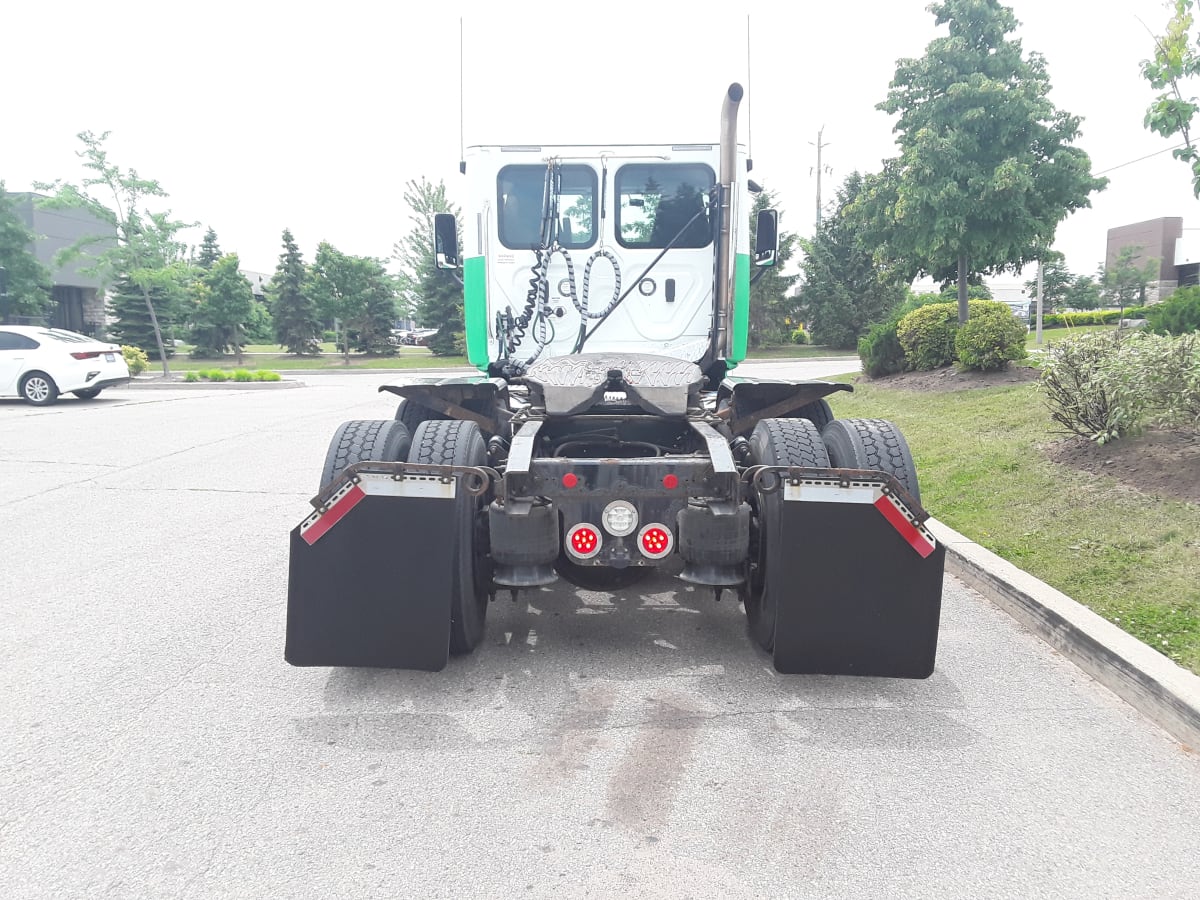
{"x": 986, "y": 171}
{"x": 1175, "y": 62}
{"x": 770, "y": 305}
{"x": 294, "y": 310}
{"x": 147, "y": 251}
{"x": 210, "y": 252}
{"x": 225, "y": 308}
{"x": 1124, "y": 283}
{"x": 844, "y": 291}
{"x": 432, "y": 295}
{"x": 1084, "y": 293}
{"x": 1056, "y": 282}
{"x": 29, "y": 291}
{"x": 131, "y": 317}
{"x": 357, "y": 292}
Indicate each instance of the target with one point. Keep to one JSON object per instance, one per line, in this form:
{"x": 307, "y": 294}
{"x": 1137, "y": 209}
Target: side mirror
{"x": 766, "y": 240}
{"x": 3, "y": 282}
{"x": 445, "y": 241}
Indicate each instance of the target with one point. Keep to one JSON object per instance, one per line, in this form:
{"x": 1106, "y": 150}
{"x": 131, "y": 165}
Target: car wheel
{"x": 88, "y": 394}
{"x": 39, "y": 389}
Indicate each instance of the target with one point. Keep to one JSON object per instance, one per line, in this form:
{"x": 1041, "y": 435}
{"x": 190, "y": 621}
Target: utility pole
{"x": 820, "y": 146}
{"x": 1038, "y": 339}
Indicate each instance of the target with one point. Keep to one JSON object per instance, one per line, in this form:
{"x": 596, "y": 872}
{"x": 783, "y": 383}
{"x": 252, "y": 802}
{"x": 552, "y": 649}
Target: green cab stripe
{"x": 741, "y": 306}
{"x": 475, "y": 310}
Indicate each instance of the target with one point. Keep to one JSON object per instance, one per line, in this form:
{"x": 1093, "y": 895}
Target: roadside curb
{"x": 159, "y": 384}
{"x": 1164, "y": 692}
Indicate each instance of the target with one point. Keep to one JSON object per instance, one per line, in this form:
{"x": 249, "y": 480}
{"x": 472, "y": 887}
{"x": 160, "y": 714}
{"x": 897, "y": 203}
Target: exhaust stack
{"x": 727, "y": 194}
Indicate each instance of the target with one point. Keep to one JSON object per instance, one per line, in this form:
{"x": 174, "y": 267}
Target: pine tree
{"x": 225, "y": 309}
{"x": 210, "y": 252}
{"x": 295, "y": 311}
{"x": 132, "y": 325}
{"x": 375, "y": 329}
{"x": 770, "y": 305}
{"x": 432, "y": 295}
{"x": 844, "y": 291}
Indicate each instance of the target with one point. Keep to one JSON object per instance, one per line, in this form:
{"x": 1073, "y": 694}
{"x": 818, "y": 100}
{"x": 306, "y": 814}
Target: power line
{"x": 1140, "y": 158}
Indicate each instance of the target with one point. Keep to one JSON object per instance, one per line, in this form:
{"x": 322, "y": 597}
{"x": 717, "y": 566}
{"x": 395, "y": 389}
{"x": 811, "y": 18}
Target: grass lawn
{"x": 408, "y": 358}
{"x": 1130, "y": 557}
{"x": 796, "y": 351}
{"x": 1050, "y": 335}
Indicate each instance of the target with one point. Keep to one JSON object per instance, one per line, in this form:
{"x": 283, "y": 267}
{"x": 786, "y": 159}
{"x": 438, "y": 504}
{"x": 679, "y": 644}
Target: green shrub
{"x": 264, "y": 375}
{"x": 989, "y": 340}
{"x": 1108, "y": 385}
{"x": 136, "y": 359}
{"x": 880, "y": 350}
{"x": 800, "y": 336}
{"x": 329, "y": 337}
{"x": 217, "y": 375}
{"x": 1178, "y": 314}
{"x": 927, "y": 336}
{"x": 191, "y": 377}
{"x": 242, "y": 375}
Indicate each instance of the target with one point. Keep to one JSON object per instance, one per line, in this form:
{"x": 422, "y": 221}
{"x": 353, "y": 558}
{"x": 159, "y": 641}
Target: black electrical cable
{"x": 584, "y": 336}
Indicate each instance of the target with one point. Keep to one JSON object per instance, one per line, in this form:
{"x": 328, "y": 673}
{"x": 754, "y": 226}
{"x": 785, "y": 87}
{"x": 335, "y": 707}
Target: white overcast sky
{"x": 257, "y": 116}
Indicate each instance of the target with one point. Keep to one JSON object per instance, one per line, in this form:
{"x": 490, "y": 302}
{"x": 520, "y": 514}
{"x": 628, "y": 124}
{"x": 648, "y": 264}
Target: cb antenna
{"x": 462, "y": 153}
{"x": 750, "y": 110}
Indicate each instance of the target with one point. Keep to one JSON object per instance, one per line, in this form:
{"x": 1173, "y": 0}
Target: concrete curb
{"x": 159, "y": 384}
{"x": 1164, "y": 692}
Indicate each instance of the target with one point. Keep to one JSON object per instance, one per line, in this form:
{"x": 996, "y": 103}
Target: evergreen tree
{"x": 1056, "y": 282}
{"x": 844, "y": 291}
{"x": 379, "y": 313}
{"x": 210, "y": 252}
{"x": 770, "y": 305}
{"x": 28, "y": 291}
{"x": 292, "y": 306}
{"x": 131, "y": 318}
{"x": 225, "y": 308}
{"x": 430, "y": 294}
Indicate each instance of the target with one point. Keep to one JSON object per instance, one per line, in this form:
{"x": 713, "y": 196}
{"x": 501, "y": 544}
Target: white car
{"x": 38, "y": 364}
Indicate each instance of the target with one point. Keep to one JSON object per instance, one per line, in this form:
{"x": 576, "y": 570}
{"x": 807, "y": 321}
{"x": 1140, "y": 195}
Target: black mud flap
{"x": 370, "y": 574}
{"x": 859, "y": 580}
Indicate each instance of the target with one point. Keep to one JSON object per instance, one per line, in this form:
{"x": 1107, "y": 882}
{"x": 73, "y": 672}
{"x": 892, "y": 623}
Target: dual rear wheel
{"x": 872, "y": 444}
{"x": 434, "y": 442}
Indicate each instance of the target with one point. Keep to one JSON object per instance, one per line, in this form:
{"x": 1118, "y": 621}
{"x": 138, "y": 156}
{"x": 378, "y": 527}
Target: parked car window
{"x": 10, "y": 341}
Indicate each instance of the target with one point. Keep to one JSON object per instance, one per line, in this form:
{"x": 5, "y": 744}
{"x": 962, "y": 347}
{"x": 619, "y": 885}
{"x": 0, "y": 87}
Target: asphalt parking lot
{"x": 156, "y": 744}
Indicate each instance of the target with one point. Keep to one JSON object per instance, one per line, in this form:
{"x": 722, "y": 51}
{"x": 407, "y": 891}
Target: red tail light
{"x": 656, "y": 540}
{"x": 90, "y": 354}
{"x": 583, "y": 541}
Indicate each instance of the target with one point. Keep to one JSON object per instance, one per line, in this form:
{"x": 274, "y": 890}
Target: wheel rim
{"x": 37, "y": 389}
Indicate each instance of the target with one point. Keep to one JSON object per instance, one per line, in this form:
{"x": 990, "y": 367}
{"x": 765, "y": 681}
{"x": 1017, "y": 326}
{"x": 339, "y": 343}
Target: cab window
{"x": 655, "y": 202}
{"x": 520, "y": 191}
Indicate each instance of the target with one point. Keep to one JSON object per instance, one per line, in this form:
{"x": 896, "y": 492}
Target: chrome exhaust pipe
{"x": 725, "y": 250}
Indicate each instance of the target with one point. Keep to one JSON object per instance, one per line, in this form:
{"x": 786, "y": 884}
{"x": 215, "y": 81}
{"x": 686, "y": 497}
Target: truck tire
{"x": 817, "y": 412}
{"x": 872, "y": 444}
{"x": 413, "y": 414}
{"x": 364, "y": 440}
{"x": 774, "y": 442}
{"x": 443, "y": 442}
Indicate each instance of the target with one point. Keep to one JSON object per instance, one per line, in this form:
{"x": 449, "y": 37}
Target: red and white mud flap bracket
{"x": 370, "y": 570}
{"x": 858, "y": 581}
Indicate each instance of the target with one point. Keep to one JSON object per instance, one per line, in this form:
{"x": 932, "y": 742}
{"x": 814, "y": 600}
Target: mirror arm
{"x": 757, "y": 275}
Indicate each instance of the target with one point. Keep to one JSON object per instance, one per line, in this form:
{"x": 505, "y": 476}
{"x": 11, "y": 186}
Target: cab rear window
{"x": 658, "y": 201}
{"x": 520, "y": 200}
